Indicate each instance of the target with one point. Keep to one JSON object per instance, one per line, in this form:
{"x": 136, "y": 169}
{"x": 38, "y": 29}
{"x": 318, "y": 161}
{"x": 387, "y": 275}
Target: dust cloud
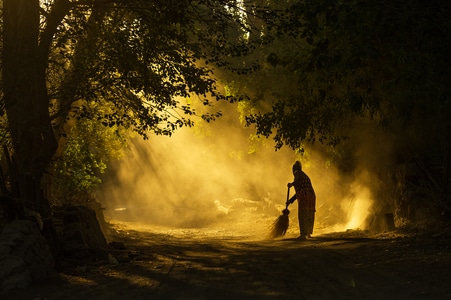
{"x": 215, "y": 176}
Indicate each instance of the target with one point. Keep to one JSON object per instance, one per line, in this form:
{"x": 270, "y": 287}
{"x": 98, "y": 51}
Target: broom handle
{"x": 288, "y": 198}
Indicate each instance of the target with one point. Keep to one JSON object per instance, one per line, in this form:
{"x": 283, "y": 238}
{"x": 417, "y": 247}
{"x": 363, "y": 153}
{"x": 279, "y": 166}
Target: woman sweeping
{"x": 305, "y": 194}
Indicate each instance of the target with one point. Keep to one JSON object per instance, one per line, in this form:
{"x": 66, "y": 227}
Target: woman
{"x": 305, "y": 194}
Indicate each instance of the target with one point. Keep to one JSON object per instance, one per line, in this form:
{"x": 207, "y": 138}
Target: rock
{"x": 81, "y": 230}
{"x": 25, "y": 255}
{"x": 113, "y": 260}
{"x": 16, "y": 281}
{"x": 117, "y": 245}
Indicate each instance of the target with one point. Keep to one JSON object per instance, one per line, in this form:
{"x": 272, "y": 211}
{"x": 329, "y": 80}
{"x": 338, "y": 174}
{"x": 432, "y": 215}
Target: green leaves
{"x": 87, "y": 149}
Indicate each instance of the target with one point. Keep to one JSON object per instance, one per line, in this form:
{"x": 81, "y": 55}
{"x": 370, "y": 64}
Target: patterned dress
{"x": 305, "y": 194}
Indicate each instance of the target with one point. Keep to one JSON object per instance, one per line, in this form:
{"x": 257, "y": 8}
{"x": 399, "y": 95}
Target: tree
{"x": 381, "y": 63}
{"x": 140, "y": 56}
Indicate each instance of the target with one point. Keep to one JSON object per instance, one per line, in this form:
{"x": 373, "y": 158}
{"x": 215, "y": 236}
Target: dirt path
{"x": 190, "y": 264}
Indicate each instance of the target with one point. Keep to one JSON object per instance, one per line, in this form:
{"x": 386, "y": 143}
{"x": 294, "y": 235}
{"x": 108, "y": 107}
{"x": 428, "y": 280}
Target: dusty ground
{"x": 161, "y": 263}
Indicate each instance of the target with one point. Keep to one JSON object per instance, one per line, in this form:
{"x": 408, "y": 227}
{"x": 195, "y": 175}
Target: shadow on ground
{"x": 212, "y": 264}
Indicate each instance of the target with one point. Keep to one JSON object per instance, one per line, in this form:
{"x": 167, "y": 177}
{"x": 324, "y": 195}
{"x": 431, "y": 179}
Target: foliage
{"x": 331, "y": 62}
{"x": 311, "y": 69}
{"x": 370, "y": 80}
{"x": 141, "y": 57}
{"x": 88, "y": 146}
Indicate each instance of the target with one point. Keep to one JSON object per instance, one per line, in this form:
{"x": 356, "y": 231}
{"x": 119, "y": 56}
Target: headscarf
{"x": 297, "y": 167}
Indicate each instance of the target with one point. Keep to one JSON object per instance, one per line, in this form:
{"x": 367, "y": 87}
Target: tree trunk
{"x": 25, "y": 89}
{"x": 26, "y": 100}
{"x": 446, "y": 164}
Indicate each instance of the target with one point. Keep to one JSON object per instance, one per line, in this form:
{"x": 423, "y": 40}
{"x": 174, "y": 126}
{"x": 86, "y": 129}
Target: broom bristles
{"x": 280, "y": 225}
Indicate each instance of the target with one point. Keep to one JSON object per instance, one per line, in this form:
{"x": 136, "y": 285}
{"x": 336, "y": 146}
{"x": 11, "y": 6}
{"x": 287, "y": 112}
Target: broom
{"x": 280, "y": 225}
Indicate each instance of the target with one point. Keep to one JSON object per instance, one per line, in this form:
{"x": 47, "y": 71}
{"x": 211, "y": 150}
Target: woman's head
{"x": 297, "y": 167}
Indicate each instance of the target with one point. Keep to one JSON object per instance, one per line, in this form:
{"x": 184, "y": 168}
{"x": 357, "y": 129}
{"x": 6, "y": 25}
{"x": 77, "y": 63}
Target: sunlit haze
{"x": 209, "y": 177}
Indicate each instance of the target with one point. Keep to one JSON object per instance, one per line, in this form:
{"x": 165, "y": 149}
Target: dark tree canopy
{"x": 332, "y": 72}
{"x": 385, "y": 60}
